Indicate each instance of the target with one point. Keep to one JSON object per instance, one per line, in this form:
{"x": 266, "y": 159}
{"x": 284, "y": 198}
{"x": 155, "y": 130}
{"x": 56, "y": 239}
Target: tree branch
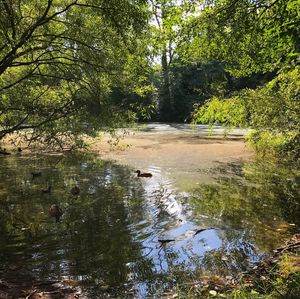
{"x": 10, "y": 56}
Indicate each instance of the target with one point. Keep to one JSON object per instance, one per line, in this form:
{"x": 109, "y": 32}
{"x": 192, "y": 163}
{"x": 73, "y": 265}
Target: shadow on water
{"x": 107, "y": 237}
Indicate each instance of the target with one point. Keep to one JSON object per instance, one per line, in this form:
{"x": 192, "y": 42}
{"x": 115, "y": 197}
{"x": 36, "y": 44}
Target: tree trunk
{"x": 166, "y": 98}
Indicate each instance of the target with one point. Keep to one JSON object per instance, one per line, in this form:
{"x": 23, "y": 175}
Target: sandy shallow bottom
{"x": 186, "y": 158}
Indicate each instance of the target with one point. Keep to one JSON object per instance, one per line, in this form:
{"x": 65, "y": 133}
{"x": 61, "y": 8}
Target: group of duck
{"x": 4, "y": 152}
{"x": 55, "y": 211}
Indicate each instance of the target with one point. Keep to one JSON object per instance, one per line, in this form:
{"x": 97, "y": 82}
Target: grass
{"x": 281, "y": 281}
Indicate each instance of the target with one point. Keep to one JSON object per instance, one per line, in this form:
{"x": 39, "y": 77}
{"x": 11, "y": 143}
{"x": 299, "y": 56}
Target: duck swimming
{"x": 3, "y": 151}
{"x": 56, "y": 212}
{"x": 144, "y": 175}
{"x": 36, "y": 174}
{"x": 75, "y": 190}
{"x": 48, "y": 190}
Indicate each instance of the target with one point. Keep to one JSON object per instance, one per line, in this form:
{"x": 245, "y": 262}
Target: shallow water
{"x": 107, "y": 237}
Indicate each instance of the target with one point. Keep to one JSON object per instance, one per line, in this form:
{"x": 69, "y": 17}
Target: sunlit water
{"x": 108, "y": 236}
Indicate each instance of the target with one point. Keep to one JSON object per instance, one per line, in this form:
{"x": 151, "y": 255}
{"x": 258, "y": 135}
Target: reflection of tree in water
{"x": 108, "y": 234}
{"x": 251, "y": 207}
{"x": 228, "y": 260}
{"x": 93, "y": 241}
{"x": 257, "y": 199}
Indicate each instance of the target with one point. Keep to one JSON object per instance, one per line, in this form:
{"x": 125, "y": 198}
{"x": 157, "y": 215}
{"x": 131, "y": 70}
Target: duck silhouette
{"x": 56, "y": 212}
{"x": 3, "y": 151}
{"x": 75, "y": 190}
{"x": 144, "y": 175}
{"x": 48, "y": 190}
{"x": 36, "y": 174}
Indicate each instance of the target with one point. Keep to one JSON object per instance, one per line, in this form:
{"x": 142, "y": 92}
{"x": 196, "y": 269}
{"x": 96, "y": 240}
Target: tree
{"x": 254, "y": 38}
{"x": 167, "y": 37}
{"x": 248, "y": 36}
{"x": 59, "y": 60}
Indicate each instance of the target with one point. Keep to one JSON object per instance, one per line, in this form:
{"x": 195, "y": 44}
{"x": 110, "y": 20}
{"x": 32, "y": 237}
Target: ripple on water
{"x": 111, "y": 232}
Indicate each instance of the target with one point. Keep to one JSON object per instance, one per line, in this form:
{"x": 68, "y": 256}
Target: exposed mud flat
{"x": 183, "y": 153}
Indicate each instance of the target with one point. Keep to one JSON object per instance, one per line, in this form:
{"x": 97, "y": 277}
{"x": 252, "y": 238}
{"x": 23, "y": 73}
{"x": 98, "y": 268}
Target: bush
{"x": 272, "y": 111}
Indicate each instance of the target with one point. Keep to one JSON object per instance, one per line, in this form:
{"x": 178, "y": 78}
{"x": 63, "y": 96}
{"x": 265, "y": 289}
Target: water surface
{"x": 108, "y": 236}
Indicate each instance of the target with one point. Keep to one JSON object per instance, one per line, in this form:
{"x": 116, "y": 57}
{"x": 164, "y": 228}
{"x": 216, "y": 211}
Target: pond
{"x": 137, "y": 237}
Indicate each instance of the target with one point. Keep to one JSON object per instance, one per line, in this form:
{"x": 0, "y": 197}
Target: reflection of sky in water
{"x": 111, "y": 231}
{"x": 168, "y": 218}
{"x": 171, "y": 217}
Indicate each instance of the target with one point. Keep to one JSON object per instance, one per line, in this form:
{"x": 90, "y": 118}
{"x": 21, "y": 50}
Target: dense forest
{"x": 72, "y": 67}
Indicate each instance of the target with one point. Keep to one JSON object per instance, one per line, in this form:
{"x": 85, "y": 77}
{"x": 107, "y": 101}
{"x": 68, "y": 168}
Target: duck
{"x": 56, "y": 212}
{"x": 3, "y": 151}
{"x": 48, "y": 190}
{"x": 35, "y": 174}
{"x": 75, "y": 190}
{"x": 144, "y": 175}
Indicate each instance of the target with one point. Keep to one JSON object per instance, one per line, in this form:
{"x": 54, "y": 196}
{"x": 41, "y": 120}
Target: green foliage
{"x": 192, "y": 84}
{"x": 218, "y": 48}
{"x": 64, "y": 63}
{"x": 249, "y": 36}
{"x": 59, "y": 61}
{"x": 252, "y": 38}
{"x": 274, "y": 284}
{"x": 229, "y": 112}
{"x": 272, "y": 111}
{"x": 167, "y": 37}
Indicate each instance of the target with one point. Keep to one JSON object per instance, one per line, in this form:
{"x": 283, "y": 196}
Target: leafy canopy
{"x": 250, "y": 38}
{"x": 59, "y": 60}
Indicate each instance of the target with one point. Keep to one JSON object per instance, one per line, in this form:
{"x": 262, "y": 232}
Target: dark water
{"x": 107, "y": 237}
